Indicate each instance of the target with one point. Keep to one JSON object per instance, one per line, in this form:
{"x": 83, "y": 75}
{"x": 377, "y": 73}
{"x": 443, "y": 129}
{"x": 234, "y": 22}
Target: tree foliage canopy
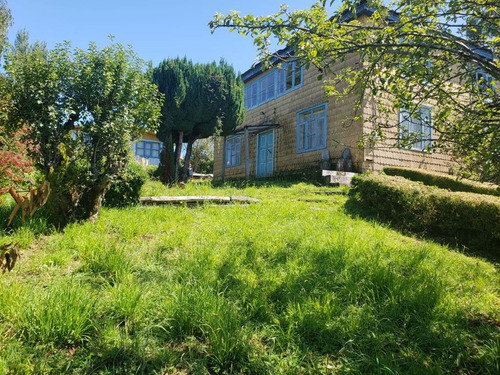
{"x": 83, "y": 108}
{"x": 200, "y": 100}
{"x": 5, "y": 22}
{"x": 413, "y": 52}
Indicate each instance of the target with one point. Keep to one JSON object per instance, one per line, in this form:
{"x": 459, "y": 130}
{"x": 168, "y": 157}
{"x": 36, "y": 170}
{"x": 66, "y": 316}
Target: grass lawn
{"x": 290, "y": 285}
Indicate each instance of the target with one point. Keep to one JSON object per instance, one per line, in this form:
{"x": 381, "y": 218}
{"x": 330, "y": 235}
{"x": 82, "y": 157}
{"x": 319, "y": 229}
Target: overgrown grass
{"x": 290, "y": 285}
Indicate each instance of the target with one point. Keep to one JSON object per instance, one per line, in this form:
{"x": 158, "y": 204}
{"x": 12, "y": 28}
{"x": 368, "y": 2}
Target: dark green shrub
{"x": 443, "y": 181}
{"x": 456, "y": 217}
{"x": 126, "y": 189}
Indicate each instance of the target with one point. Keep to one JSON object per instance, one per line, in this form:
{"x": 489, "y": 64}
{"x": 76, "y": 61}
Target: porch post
{"x": 247, "y": 161}
{"x": 223, "y": 173}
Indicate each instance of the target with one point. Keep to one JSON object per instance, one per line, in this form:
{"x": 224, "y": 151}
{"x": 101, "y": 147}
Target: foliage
{"x": 413, "y": 54}
{"x": 200, "y": 100}
{"x": 292, "y": 285}
{"x": 460, "y": 218}
{"x": 15, "y": 166}
{"x": 443, "y": 181}
{"x": 8, "y": 256}
{"x": 202, "y": 156}
{"x": 82, "y": 110}
{"x": 5, "y": 22}
{"x": 125, "y": 190}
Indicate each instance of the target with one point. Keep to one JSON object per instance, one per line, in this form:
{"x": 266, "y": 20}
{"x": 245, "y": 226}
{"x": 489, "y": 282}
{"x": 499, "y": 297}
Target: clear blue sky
{"x": 156, "y": 29}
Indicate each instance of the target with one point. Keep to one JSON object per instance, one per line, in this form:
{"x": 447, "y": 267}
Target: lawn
{"x": 290, "y": 285}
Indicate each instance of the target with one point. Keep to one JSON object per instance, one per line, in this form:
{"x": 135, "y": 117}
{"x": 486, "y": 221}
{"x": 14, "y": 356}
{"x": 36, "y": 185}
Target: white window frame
{"x": 419, "y": 126}
{"x": 232, "y": 158}
{"x": 311, "y": 128}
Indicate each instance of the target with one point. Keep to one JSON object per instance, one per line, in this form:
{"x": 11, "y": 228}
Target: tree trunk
{"x": 91, "y": 201}
{"x": 67, "y": 204}
{"x": 187, "y": 158}
{"x": 166, "y": 167}
{"x": 178, "y": 150}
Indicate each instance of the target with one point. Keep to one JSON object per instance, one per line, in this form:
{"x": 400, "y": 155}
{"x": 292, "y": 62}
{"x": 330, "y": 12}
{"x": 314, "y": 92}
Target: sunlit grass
{"x": 288, "y": 285}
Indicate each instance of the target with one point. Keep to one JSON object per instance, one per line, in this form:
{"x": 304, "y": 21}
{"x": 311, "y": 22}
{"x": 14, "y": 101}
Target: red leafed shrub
{"x": 14, "y": 162}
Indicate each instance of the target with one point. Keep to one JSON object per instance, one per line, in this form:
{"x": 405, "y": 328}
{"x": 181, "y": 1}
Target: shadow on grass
{"x": 371, "y": 314}
{"x": 39, "y": 224}
{"x": 487, "y": 249}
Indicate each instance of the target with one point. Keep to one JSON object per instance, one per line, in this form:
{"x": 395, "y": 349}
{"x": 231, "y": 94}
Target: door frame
{"x": 257, "y": 174}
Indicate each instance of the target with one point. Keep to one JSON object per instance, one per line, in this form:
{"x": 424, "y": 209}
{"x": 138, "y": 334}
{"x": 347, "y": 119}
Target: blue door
{"x": 265, "y": 154}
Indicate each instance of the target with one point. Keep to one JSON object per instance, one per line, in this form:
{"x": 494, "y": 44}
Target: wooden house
{"x": 291, "y": 125}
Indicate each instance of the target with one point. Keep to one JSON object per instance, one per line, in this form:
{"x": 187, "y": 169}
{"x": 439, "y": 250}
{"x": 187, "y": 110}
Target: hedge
{"x": 443, "y": 181}
{"x": 458, "y": 218}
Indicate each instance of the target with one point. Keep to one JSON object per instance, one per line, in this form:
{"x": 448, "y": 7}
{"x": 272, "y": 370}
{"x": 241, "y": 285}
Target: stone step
{"x": 338, "y": 177}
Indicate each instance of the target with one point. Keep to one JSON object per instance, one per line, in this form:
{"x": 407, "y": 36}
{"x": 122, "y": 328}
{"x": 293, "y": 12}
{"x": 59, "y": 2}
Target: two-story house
{"x": 291, "y": 125}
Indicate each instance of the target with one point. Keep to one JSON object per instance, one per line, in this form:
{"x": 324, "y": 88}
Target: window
{"x": 233, "y": 151}
{"x": 148, "y": 149}
{"x": 415, "y": 130}
{"x": 275, "y": 83}
{"x": 483, "y": 79}
{"x": 311, "y": 129}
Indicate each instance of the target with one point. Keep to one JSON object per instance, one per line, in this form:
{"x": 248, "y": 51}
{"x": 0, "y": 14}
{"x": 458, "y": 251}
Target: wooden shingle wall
{"x": 341, "y": 134}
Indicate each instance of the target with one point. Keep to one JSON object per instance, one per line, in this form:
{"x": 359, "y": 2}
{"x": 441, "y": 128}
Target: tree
{"x": 5, "y": 23}
{"x": 202, "y": 155}
{"x": 200, "y": 99}
{"x": 83, "y": 108}
{"x": 413, "y": 53}
{"x": 15, "y": 164}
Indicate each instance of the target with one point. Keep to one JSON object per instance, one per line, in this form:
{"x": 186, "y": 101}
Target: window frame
{"x": 422, "y": 145}
{"x": 259, "y": 91}
{"x": 308, "y": 128}
{"x": 233, "y": 146}
{"x": 148, "y": 149}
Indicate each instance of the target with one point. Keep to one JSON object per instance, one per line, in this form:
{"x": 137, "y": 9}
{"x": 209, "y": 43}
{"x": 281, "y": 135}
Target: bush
{"x": 126, "y": 189}
{"x": 443, "y": 181}
{"x": 456, "y": 217}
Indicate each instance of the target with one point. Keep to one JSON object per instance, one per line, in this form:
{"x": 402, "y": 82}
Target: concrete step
{"x": 338, "y": 177}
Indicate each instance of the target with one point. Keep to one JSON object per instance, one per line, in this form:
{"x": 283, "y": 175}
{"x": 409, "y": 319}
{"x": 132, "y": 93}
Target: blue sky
{"x": 156, "y": 29}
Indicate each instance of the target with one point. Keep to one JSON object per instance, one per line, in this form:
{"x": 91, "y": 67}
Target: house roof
{"x": 283, "y": 54}
{"x": 364, "y": 10}
{"x": 361, "y": 10}
{"x": 276, "y": 58}
{"x": 253, "y": 129}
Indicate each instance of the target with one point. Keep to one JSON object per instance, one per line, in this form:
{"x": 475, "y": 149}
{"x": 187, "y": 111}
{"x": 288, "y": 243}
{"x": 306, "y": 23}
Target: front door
{"x": 265, "y": 154}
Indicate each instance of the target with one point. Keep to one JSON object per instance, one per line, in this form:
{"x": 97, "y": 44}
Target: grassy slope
{"x": 285, "y": 286}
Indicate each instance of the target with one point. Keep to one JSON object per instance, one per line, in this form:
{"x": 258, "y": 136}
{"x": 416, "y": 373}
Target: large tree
{"x": 200, "y": 100}
{"x": 5, "y": 23}
{"x": 413, "y": 53}
{"x": 83, "y": 108}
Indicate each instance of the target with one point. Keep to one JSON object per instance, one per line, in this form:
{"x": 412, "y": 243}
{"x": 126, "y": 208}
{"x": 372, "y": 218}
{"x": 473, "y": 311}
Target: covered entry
{"x": 262, "y": 152}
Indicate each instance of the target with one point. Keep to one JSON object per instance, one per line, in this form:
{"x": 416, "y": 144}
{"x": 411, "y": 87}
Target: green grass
{"x": 289, "y": 285}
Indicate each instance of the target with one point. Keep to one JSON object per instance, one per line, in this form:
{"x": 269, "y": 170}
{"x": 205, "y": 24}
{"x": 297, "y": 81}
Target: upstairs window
{"x": 415, "y": 130}
{"x": 483, "y": 79}
{"x": 311, "y": 129}
{"x": 273, "y": 84}
{"x": 233, "y": 151}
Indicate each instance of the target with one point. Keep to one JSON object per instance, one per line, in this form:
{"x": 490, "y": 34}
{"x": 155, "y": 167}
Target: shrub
{"x": 456, "y": 217}
{"x": 126, "y": 189}
{"x": 443, "y": 181}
